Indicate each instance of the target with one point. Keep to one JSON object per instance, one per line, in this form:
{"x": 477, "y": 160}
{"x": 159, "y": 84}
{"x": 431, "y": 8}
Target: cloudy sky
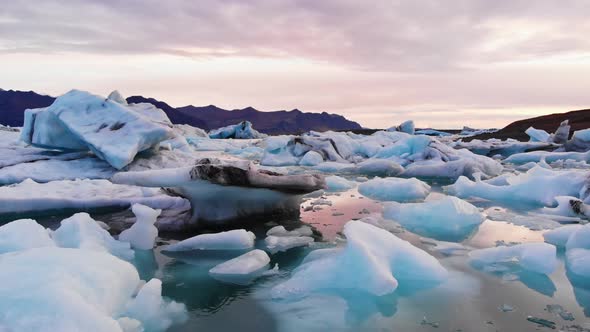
{"x": 442, "y": 63}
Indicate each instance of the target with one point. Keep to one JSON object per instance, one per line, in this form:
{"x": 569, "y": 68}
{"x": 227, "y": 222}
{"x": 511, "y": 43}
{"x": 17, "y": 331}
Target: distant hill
{"x": 577, "y": 119}
{"x": 13, "y": 104}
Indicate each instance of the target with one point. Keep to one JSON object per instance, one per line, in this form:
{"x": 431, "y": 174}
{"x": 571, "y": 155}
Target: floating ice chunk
{"x": 311, "y": 158}
{"x": 580, "y": 141}
{"x": 379, "y": 167}
{"x": 117, "y": 97}
{"x": 449, "y": 218}
{"x": 562, "y": 133}
{"x": 395, "y": 189}
{"x": 568, "y": 206}
{"x": 580, "y": 238}
{"x": 284, "y": 243}
{"x": 61, "y": 289}
{"x": 23, "y": 234}
{"x": 81, "y": 231}
{"x": 537, "y": 186}
{"x": 406, "y": 127}
{"x": 242, "y": 130}
{"x": 248, "y": 265}
{"x": 536, "y": 257}
{"x": 550, "y": 157}
{"x": 149, "y": 308}
{"x": 142, "y": 234}
{"x": 444, "y": 247}
{"x": 338, "y": 183}
{"x": 335, "y": 167}
{"x": 237, "y": 239}
{"x": 281, "y": 231}
{"x": 381, "y": 262}
{"x": 538, "y": 135}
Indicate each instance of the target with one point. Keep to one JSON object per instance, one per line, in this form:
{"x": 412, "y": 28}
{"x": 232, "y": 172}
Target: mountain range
{"x": 13, "y": 104}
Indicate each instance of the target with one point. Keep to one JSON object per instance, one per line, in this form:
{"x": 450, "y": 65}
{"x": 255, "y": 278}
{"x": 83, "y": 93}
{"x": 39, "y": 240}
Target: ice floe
{"x": 381, "y": 262}
{"x": 395, "y": 189}
{"x": 237, "y": 239}
{"x": 142, "y": 234}
{"x": 242, "y": 268}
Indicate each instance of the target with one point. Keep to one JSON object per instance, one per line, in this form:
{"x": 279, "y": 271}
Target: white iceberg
{"x": 394, "y": 189}
{"x": 83, "y": 232}
{"x": 23, "y": 234}
{"x": 114, "y": 132}
{"x": 242, "y": 130}
{"x": 237, "y": 239}
{"x": 61, "y": 289}
{"x": 536, "y": 257}
{"x": 338, "y": 183}
{"x": 559, "y": 236}
{"x": 449, "y": 218}
{"x": 248, "y": 265}
{"x": 283, "y": 243}
{"x": 381, "y": 262}
{"x": 142, "y": 234}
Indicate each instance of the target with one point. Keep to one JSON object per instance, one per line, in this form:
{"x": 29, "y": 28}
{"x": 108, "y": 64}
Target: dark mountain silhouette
{"x": 578, "y": 120}
{"x": 14, "y": 103}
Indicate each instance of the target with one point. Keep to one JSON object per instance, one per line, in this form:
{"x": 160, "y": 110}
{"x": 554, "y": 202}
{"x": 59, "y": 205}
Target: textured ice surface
{"x": 536, "y": 257}
{"x": 114, "y": 132}
{"x": 142, "y": 234}
{"x": 338, "y": 183}
{"x": 395, "y": 189}
{"x": 237, "y": 239}
{"x": 241, "y": 130}
{"x": 381, "y": 262}
{"x": 23, "y": 234}
{"x": 62, "y": 289}
{"x": 559, "y": 236}
{"x": 81, "y": 231}
{"x": 250, "y": 263}
{"x": 538, "y": 135}
{"x": 284, "y": 243}
{"x": 449, "y": 218}
{"x": 537, "y": 186}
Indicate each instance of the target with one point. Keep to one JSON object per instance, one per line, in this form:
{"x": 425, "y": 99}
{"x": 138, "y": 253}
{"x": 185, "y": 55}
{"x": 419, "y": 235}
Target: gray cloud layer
{"x": 403, "y": 36}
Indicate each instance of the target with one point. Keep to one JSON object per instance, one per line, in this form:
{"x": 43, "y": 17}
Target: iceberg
{"x": 237, "y": 239}
{"x": 242, "y": 130}
{"x": 579, "y": 142}
{"x": 395, "y": 189}
{"x": 83, "y": 232}
{"x": 381, "y": 262}
{"x": 222, "y": 191}
{"x": 337, "y": 183}
{"x": 537, "y": 186}
{"x": 142, "y": 234}
{"x": 311, "y": 158}
{"x": 536, "y": 257}
{"x": 63, "y": 289}
{"x": 446, "y": 219}
{"x": 538, "y": 135}
{"x": 283, "y": 243}
{"x": 242, "y": 268}
{"x": 23, "y": 234}
{"x": 115, "y": 132}
{"x": 559, "y": 236}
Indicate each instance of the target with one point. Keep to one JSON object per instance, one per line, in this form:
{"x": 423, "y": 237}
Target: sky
{"x": 444, "y": 64}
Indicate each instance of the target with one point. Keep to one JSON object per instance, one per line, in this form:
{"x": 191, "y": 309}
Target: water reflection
{"x": 581, "y": 288}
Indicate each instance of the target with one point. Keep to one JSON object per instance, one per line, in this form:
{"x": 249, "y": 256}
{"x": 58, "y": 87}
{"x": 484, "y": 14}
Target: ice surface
{"x": 338, "y": 183}
{"x": 559, "y": 236}
{"x": 23, "y": 234}
{"x": 381, "y": 262}
{"x": 379, "y": 167}
{"x": 568, "y": 206}
{"x": 395, "y": 189}
{"x": 550, "y": 157}
{"x": 311, "y": 158}
{"x": 537, "y": 186}
{"x": 142, "y": 234}
{"x": 448, "y": 218}
{"x": 281, "y": 231}
{"x": 250, "y": 263}
{"x": 242, "y": 130}
{"x": 237, "y": 239}
{"x": 406, "y": 127}
{"x": 580, "y": 141}
{"x": 580, "y": 238}
{"x": 29, "y": 196}
{"x": 284, "y": 243}
{"x": 536, "y": 257}
{"x": 81, "y": 231}
{"x": 578, "y": 261}
{"x": 562, "y": 133}
{"x": 113, "y": 131}
{"x": 538, "y": 135}
{"x": 63, "y": 289}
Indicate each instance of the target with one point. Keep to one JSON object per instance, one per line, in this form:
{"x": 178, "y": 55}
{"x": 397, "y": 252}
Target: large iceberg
{"x": 62, "y": 289}
{"x": 222, "y": 191}
{"x": 114, "y": 131}
{"x": 447, "y": 219}
{"x": 381, "y": 262}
